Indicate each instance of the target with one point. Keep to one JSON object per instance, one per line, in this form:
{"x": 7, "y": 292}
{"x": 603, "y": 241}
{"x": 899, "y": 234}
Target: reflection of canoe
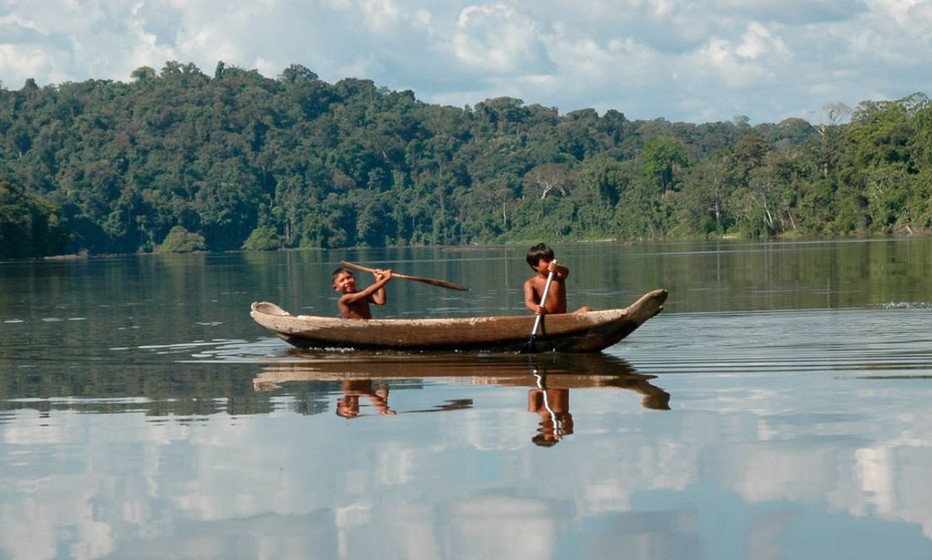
{"x": 578, "y": 333}
{"x": 558, "y": 370}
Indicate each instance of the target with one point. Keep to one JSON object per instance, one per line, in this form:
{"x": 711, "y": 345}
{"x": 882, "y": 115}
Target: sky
{"x": 682, "y": 60}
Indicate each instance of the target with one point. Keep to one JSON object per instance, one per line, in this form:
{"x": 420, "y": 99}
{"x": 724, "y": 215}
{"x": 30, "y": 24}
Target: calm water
{"x": 777, "y": 409}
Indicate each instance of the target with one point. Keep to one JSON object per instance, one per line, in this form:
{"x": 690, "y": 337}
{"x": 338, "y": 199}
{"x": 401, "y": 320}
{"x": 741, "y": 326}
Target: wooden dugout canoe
{"x": 578, "y": 333}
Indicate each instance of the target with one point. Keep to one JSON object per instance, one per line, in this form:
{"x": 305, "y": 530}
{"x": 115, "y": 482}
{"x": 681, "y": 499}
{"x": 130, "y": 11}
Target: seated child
{"x": 540, "y": 258}
{"x": 355, "y": 304}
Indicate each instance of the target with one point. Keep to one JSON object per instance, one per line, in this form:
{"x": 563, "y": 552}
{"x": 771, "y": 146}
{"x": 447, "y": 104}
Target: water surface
{"x": 777, "y": 408}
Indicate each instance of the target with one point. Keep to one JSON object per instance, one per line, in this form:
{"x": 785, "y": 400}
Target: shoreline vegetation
{"x": 518, "y": 244}
{"x": 179, "y": 161}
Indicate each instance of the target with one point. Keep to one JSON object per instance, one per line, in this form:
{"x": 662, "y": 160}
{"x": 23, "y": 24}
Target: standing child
{"x": 540, "y": 258}
{"x": 353, "y": 304}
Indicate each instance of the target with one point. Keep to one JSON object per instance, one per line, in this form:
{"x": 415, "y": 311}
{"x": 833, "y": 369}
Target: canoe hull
{"x": 578, "y": 333}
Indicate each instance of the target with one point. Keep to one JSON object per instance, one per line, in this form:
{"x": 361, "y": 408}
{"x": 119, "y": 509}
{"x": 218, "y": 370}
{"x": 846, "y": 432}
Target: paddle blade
{"x": 531, "y": 346}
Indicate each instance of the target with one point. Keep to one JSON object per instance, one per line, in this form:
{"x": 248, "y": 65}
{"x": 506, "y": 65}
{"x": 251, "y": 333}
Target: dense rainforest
{"x": 177, "y": 160}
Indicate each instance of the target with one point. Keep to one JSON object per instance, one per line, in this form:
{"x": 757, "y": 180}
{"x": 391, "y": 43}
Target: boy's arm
{"x": 531, "y": 301}
{"x": 560, "y": 270}
{"x": 379, "y": 284}
{"x": 379, "y": 296}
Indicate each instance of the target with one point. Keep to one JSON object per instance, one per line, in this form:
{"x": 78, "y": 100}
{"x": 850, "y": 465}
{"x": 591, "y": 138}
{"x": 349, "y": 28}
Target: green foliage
{"x": 28, "y": 226}
{"x": 180, "y": 240}
{"x": 251, "y": 162}
{"x": 661, "y": 160}
{"x": 263, "y": 238}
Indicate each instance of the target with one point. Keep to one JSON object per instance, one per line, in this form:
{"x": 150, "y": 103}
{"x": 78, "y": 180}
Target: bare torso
{"x": 556, "y": 297}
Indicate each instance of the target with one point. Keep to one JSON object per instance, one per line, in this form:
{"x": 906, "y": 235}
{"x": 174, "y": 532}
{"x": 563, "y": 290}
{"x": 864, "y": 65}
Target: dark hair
{"x": 538, "y": 252}
{"x": 541, "y": 440}
{"x": 339, "y": 271}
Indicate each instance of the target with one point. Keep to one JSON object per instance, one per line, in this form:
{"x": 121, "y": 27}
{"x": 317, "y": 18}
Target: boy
{"x": 353, "y": 304}
{"x": 540, "y": 258}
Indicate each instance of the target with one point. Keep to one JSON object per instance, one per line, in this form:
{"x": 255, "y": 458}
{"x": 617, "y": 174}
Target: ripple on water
{"x": 828, "y": 341}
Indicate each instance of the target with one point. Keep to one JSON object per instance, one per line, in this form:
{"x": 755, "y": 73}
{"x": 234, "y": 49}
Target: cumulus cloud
{"x": 497, "y": 39}
{"x": 674, "y": 59}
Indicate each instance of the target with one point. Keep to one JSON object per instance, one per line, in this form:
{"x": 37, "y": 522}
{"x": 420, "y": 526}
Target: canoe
{"x": 575, "y": 333}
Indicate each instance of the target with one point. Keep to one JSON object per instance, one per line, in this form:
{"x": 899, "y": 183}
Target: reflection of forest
{"x": 176, "y": 389}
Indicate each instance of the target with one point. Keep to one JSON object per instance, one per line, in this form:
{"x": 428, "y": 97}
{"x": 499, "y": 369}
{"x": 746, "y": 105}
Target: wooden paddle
{"x": 530, "y": 348}
{"x": 431, "y": 281}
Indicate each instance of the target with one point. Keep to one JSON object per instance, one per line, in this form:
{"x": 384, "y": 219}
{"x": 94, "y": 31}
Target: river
{"x": 776, "y": 408}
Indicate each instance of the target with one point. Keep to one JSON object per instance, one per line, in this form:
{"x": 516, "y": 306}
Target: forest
{"x": 177, "y": 160}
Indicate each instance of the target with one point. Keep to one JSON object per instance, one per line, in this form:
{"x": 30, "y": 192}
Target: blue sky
{"x": 695, "y": 61}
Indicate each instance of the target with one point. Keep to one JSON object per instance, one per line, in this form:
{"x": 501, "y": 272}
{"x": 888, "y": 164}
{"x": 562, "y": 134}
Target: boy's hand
{"x": 556, "y": 269}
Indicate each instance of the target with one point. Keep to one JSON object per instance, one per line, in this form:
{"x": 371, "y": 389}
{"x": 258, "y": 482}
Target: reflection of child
{"x": 553, "y": 407}
{"x": 348, "y": 406}
{"x": 540, "y": 258}
{"x": 353, "y": 304}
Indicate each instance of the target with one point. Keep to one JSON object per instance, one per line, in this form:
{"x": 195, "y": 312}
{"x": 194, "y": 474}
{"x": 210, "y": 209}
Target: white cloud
{"x": 769, "y": 59}
{"x": 496, "y": 38}
{"x": 758, "y": 42}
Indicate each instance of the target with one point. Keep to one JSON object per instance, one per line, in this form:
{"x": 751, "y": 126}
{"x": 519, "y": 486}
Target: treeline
{"x": 177, "y": 160}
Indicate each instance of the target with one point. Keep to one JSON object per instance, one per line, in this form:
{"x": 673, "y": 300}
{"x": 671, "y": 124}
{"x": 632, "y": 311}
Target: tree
{"x": 263, "y": 238}
{"x": 29, "y": 227}
{"x": 662, "y": 159}
{"x": 830, "y": 133}
{"x": 143, "y": 74}
{"x": 235, "y": 156}
{"x": 548, "y": 177}
{"x": 180, "y": 240}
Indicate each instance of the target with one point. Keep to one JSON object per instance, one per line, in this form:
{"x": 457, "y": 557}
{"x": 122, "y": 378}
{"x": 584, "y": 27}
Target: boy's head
{"x": 537, "y": 253}
{"x": 343, "y": 280}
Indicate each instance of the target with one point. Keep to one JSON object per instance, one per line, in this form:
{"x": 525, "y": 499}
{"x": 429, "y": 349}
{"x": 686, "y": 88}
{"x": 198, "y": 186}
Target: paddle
{"x": 431, "y": 281}
{"x": 543, "y": 299}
